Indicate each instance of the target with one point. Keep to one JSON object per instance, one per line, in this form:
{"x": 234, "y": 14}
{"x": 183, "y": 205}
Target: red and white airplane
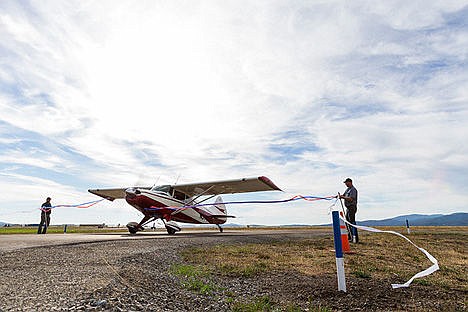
{"x": 179, "y": 202}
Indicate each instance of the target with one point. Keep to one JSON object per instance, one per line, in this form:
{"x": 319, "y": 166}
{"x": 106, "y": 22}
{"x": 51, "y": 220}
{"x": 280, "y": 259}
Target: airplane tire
{"x": 172, "y": 227}
{"x": 132, "y": 227}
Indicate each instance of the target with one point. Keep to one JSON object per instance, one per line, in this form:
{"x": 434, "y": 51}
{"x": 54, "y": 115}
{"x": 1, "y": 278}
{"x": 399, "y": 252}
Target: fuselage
{"x": 162, "y": 202}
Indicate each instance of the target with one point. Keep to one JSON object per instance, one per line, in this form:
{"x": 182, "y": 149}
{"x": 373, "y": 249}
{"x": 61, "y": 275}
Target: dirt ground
{"x": 139, "y": 275}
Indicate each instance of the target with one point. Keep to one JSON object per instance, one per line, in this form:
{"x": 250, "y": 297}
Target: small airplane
{"x": 183, "y": 202}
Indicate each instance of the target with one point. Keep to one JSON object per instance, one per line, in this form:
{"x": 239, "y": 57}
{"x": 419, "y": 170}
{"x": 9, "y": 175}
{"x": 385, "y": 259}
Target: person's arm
{"x": 346, "y": 198}
{"x": 352, "y": 197}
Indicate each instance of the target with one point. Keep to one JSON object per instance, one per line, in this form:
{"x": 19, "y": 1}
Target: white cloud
{"x": 419, "y": 14}
{"x": 145, "y": 92}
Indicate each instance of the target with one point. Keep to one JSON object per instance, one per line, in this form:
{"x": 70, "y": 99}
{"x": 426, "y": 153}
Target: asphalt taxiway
{"x": 12, "y": 242}
{"x": 20, "y": 241}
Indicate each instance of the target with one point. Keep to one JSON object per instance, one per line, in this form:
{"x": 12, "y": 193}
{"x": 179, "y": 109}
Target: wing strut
{"x": 201, "y": 194}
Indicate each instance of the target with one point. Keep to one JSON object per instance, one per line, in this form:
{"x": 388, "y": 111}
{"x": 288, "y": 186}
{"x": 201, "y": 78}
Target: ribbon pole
{"x": 340, "y": 272}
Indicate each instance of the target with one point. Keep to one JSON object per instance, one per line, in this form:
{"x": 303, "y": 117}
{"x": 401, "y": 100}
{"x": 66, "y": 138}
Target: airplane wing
{"x": 227, "y": 186}
{"x": 114, "y": 193}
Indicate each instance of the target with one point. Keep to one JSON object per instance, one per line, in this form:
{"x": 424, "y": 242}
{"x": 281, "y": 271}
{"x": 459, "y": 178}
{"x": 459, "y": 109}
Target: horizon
{"x": 233, "y": 223}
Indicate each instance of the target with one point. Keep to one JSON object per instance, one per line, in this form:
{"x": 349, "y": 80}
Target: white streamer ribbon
{"x": 434, "y": 267}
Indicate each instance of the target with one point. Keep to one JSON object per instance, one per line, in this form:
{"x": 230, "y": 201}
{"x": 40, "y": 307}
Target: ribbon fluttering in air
{"x": 434, "y": 267}
{"x": 294, "y": 198}
{"x": 83, "y": 205}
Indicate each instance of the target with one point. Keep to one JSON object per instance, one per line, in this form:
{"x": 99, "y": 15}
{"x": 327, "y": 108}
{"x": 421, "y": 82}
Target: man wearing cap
{"x": 350, "y": 197}
{"x": 46, "y": 209}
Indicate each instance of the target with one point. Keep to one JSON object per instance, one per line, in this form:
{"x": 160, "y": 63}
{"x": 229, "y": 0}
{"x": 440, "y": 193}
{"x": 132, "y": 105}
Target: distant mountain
{"x": 455, "y": 219}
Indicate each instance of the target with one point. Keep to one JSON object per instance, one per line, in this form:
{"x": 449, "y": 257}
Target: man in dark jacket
{"x": 46, "y": 209}
{"x": 350, "y": 197}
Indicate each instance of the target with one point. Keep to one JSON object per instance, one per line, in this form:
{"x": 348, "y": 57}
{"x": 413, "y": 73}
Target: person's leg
{"x": 349, "y": 227}
{"x": 352, "y": 220}
{"x": 39, "y": 229}
{"x": 355, "y": 229}
{"x": 47, "y": 222}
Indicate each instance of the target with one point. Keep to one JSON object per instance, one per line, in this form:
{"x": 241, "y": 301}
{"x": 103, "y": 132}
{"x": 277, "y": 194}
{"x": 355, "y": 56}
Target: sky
{"x": 97, "y": 94}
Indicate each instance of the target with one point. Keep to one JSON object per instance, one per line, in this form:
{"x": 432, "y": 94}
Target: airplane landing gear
{"x": 133, "y": 227}
{"x": 171, "y": 227}
{"x": 220, "y": 228}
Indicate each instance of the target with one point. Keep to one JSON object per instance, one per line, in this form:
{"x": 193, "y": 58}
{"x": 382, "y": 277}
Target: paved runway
{"x": 20, "y": 241}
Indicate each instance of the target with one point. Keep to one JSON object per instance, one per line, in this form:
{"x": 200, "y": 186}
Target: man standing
{"x": 350, "y": 197}
{"x": 46, "y": 209}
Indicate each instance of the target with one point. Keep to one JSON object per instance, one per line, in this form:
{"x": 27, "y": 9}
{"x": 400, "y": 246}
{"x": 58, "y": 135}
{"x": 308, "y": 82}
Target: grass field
{"x": 378, "y": 255}
{"x": 378, "y": 259}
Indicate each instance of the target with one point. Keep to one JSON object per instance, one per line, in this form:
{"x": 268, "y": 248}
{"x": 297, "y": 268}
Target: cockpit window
{"x": 170, "y": 191}
{"x": 180, "y": 195}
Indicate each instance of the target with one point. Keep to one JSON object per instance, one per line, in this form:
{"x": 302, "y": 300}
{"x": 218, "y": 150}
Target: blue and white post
{"x": 338, "y": 251}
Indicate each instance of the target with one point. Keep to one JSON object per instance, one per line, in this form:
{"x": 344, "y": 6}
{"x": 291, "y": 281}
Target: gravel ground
{"x": 134, "y": 275}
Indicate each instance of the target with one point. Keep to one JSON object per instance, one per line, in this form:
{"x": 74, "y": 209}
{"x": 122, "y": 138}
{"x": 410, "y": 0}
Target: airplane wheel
{"x": 172, "y": 227}
{"x": 132, "y": 227}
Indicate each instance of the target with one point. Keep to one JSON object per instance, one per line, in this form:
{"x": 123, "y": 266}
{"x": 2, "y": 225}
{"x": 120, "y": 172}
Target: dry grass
{"x": 308, "y": 256}
{"x": 378, "y": 255}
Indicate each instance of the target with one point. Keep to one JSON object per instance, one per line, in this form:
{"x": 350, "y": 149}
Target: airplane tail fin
{"x": 219, "y": 206}
{"x": 218, "y": 210}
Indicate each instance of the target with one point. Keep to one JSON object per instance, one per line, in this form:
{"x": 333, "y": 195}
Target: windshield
{"x": 162, "y": 188}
